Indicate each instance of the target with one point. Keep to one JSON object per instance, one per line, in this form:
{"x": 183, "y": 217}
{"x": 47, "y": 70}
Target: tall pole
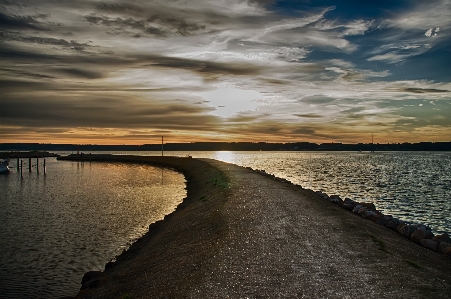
{"x": 162, "y": 146}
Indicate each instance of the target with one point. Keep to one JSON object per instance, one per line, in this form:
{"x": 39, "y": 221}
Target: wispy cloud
{"x": 112, "y": 71}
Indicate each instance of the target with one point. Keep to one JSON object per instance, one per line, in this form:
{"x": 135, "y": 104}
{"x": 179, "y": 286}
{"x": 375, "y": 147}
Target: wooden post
{"x": 18, "y": 164}
{"x": 29, "y": 164}
{"x": 44, "y": 166}
{"x": 21, "y": 167}
{"x": 37, "y": 165}
{"x": 162, "y": 146}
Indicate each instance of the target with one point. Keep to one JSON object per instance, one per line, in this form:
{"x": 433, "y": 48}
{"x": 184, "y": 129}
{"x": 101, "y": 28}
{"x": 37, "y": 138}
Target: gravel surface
{"x": 239, "y": 234}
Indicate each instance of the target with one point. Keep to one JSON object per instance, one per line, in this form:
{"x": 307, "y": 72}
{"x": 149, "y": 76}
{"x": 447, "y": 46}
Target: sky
{"x": 128, "y": 72}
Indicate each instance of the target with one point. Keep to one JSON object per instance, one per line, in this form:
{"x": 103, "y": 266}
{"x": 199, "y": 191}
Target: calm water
{"x": 74, "y": 219}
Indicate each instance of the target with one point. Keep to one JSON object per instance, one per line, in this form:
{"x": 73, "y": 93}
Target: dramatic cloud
{"x": 122, "y": 72}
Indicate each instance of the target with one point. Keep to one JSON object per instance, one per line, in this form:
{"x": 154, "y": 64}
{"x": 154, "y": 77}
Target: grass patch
{"x": 203, "y": 198}
{"x": 413, "y": 264}
{"x": 220, "y": 182}
{"x": 381, "y": 244}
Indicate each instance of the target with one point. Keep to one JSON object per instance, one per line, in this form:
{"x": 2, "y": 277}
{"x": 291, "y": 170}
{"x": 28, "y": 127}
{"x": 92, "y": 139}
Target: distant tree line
{"x": 232, "y": 146}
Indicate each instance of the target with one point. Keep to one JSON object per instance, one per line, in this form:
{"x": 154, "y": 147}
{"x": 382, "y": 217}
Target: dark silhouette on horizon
{"x": 232, "y": 146}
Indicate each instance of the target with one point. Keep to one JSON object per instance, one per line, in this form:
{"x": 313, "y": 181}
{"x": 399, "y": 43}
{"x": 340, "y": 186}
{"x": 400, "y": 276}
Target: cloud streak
{"x": 116, "y": 72}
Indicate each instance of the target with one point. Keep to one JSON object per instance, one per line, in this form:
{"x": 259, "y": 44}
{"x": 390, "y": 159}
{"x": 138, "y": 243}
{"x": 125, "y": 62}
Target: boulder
{"x": 369, "y": 205}
{"x": 362, "y": 211}
{"x": 322, "y": 194}
{"x": 357, "y": 208}
{"x": 91, "y": 275}
{"x": 442, "y": 238}
{"x": 392, "y": 223}
{"x": 400, "y": 225}
{"x": 447, "y": 251}
{"x": 348, "y": 206}
{"x": 421, "y": 233}
{"x": 444, "y": 247}
{"x": 90, "y": 284}
{"x": 375, "y": 218}
{"x": 349, "y": 201}
{"x": 407, "y": 230}
{"x": 429, "y": 244}
{"x": 369, "y": 214}
{"x": 382, "y": 219}
{"x": 335, "y": 199}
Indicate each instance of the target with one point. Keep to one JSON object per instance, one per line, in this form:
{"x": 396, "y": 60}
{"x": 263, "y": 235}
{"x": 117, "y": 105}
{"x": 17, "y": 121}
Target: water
{"x": 74, "y": 219}
{"x": 56, "y": 227}
{"x": 412, "y": 186}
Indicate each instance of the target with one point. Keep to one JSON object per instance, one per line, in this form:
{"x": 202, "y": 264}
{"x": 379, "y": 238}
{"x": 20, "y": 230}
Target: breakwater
{"x": 242, "y": 234}
{"x": 416, "y": 232}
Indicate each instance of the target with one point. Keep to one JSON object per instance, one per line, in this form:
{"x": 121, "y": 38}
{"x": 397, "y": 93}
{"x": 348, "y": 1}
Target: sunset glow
{"x": 120, "y": 72}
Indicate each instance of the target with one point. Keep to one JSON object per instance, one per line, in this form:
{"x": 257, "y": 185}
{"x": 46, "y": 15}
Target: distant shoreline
{"x": 232, "y": 146}
{"x": 26, "y": 154}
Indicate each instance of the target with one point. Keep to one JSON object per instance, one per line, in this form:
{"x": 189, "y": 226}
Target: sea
{"x": 79, "y": 215}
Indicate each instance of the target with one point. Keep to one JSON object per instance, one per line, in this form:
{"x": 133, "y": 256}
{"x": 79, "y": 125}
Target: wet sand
{"x": 240, "y": 234}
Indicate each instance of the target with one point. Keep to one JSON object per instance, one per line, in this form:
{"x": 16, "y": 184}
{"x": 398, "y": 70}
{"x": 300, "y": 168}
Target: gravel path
{"x": 283, "y": 242}
{"x": 243, "y": 235}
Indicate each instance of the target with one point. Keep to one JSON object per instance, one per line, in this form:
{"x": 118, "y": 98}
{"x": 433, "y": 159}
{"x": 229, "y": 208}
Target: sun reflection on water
{"x": 225, "y": 156}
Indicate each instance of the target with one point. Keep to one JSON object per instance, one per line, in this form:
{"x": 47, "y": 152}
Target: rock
{"x": 91, "y": 275}
{"x": 362, "y": 211}
{"x": 369, "y": 214}
{"x": 369, "y": 205}
{"x": 349, "y": 201}
{"x": 322, "y": 194}
{"x": 111, "y": 263}
{"x": 376, "y": 217}
{"x": 382, "y": 219}
{"x": 442, "y": 238}
{"x": 407, "y": 230}
{"x": 90, "y": 284}
{"x": 421, "y": 233}
{"x": 429, "y": 244}
{"x": 348, "y": 206}
{"x": 443, "y": 247}
{"x": 335, "y": 199}
{"x": 357, "y": 208}
{"x": 400, "y": 225}
{"x": 392, "y": 223}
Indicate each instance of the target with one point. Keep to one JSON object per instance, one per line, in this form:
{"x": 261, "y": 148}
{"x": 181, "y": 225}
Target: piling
{"x": 17, "y": 163}
{"x": 29, "y": 164}
{"x": 21, "y": 168}
{"x": 37, "y": 165}
{"x": 44, "y": 166}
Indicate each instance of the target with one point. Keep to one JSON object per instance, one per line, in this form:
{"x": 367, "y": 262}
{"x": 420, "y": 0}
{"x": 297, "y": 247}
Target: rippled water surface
{"x": 74, "y": 219}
